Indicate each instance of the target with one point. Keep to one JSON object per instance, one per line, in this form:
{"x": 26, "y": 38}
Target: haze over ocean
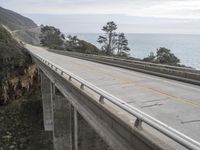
{"x": 185, "y": 47}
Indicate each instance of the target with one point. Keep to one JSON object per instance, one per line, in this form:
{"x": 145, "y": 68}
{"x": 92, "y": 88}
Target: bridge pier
{"x": 46, "y": 102}
{"x": 62, "y": 121}
{"x": 85, "y": 138}
{"x": 70, "y": 130}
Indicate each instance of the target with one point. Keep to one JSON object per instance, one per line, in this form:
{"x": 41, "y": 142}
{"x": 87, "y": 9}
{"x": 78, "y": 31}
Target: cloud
{"x": 146, "y": 16}
{"x": 127, "y": 24}
{"x": 144, "y": 8}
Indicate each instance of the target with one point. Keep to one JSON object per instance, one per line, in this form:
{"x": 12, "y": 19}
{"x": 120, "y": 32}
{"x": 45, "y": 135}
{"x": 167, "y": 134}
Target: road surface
{"x": 174, "y": 103}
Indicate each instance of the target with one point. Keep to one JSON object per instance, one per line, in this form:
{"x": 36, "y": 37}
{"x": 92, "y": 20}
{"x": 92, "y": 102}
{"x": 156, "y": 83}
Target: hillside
{"x": 16, "y": 68}
{"x": 21, "y": 123}
{"x": 15, "y": 21}
{"x": 22, "y": 27}
{"x": 30, "y": 36}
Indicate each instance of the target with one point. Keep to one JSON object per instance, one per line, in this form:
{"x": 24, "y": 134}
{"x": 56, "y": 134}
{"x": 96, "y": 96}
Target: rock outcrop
{"x": 17, "y": 72}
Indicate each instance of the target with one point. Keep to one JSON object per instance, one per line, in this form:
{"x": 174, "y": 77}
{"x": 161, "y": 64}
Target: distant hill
{"x": 15, "y": 21}
{"x": 30, "y": 36}
{"x": 22, "y": 27}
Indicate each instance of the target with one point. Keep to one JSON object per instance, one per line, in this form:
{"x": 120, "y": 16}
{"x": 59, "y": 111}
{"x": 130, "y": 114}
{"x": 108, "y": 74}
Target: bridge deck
{"x": 174, "y": 103}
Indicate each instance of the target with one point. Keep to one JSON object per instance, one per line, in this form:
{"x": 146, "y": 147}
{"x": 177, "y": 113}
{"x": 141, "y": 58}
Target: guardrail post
{"x": 70, "y": 78}
{"x": 101, "y": 99}
{"x": 82, "y": 86}
{"x": 138, "y": 123}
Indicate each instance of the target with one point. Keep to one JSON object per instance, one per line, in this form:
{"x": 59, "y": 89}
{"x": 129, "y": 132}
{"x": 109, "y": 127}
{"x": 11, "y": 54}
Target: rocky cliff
{"x": 17, "y": 72}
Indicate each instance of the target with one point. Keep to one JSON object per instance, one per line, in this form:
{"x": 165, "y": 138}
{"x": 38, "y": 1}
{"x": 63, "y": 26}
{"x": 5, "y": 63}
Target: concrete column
{"x": 46, "y": 102}
{"x": 85, "y": 138}
{"x": 62, "y": 130}
{"x": 75, "y": 140}
{"x": 70, "y": 130}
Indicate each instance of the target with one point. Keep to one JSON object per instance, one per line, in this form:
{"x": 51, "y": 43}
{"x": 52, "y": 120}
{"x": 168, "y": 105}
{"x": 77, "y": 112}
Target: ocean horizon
{"x": 185, "y": 46}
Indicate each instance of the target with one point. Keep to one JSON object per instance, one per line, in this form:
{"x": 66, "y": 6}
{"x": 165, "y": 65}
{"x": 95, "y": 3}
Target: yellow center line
{"x": 178, "y": 99}
{"x": 130, "y": 82}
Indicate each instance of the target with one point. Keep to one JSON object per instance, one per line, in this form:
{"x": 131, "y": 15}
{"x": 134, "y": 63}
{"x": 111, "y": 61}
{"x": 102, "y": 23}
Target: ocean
{"x": 185, "y": 47}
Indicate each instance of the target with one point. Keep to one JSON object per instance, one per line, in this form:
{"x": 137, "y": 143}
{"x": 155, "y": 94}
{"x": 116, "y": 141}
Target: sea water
{"x": 185, "y": 47}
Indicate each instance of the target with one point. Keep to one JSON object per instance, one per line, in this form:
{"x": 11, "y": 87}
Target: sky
{"x": 131, "y": 16}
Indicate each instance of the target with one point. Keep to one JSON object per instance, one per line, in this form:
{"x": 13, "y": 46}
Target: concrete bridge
{"x": 93, "y": 106}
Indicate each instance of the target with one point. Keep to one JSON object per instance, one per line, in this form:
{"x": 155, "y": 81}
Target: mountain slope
{"x": 15, "y": 21}
{"x": 22, "y": 27}
{"x": 30, "y": 36}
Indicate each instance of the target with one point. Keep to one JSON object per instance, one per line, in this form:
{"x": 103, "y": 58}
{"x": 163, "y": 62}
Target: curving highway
{"x": 175, "y": 103}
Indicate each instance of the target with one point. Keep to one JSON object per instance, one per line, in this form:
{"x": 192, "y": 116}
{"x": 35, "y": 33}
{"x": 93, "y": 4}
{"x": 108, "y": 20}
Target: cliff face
{"x": 17, "y": 73}
{"x": 16, "y": 85}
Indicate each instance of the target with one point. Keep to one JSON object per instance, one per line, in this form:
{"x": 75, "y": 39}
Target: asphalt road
{"x": 174, "y": 103}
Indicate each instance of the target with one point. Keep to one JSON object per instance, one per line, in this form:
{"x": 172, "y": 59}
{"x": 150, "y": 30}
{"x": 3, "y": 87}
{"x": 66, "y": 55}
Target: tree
{"x": 73, "y": 40}
{"x": 109, "y": 39}
{"x": 163, "y": 56}
{"x": 73, "y": 43}
{"x": 150, "y": 58}
{"x": 122, "y": 45}
{"x": 51, "y": 37}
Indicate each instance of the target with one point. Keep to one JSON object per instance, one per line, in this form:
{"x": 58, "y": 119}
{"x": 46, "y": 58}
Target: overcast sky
{"x": 132, "y": 16}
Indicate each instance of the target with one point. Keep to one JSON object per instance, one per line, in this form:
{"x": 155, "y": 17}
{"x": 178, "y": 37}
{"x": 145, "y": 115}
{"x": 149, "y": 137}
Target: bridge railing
{"x": 183, "y": 74}
{"x": 141, "y": 117}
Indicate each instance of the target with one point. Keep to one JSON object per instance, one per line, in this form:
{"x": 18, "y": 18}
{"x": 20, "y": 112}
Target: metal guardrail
{"x": 168, "y": 131}
{"x": 183, "y": 74}
{"x": 131, "y": 61}
{"x": 149, "y": 63}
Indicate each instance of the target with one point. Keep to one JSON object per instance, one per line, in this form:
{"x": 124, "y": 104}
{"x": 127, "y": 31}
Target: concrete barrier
{"x": 183, "y": 74}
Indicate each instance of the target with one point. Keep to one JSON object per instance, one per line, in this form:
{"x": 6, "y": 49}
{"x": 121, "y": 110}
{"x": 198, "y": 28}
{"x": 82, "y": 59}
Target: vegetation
{"x": 122, "y": 45}
{"x": 163, "y": 56}
{"x": 21, "y": 124}
{"x": 109, "y": 39}
{"x": 14, "y": 59}
{"x": 52, "y": 37}
{"x": 113, "y": 43}
{"x": 74, "y": 44}
{"x": 11, "y": 53}
{"x": 150, "y": 58}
